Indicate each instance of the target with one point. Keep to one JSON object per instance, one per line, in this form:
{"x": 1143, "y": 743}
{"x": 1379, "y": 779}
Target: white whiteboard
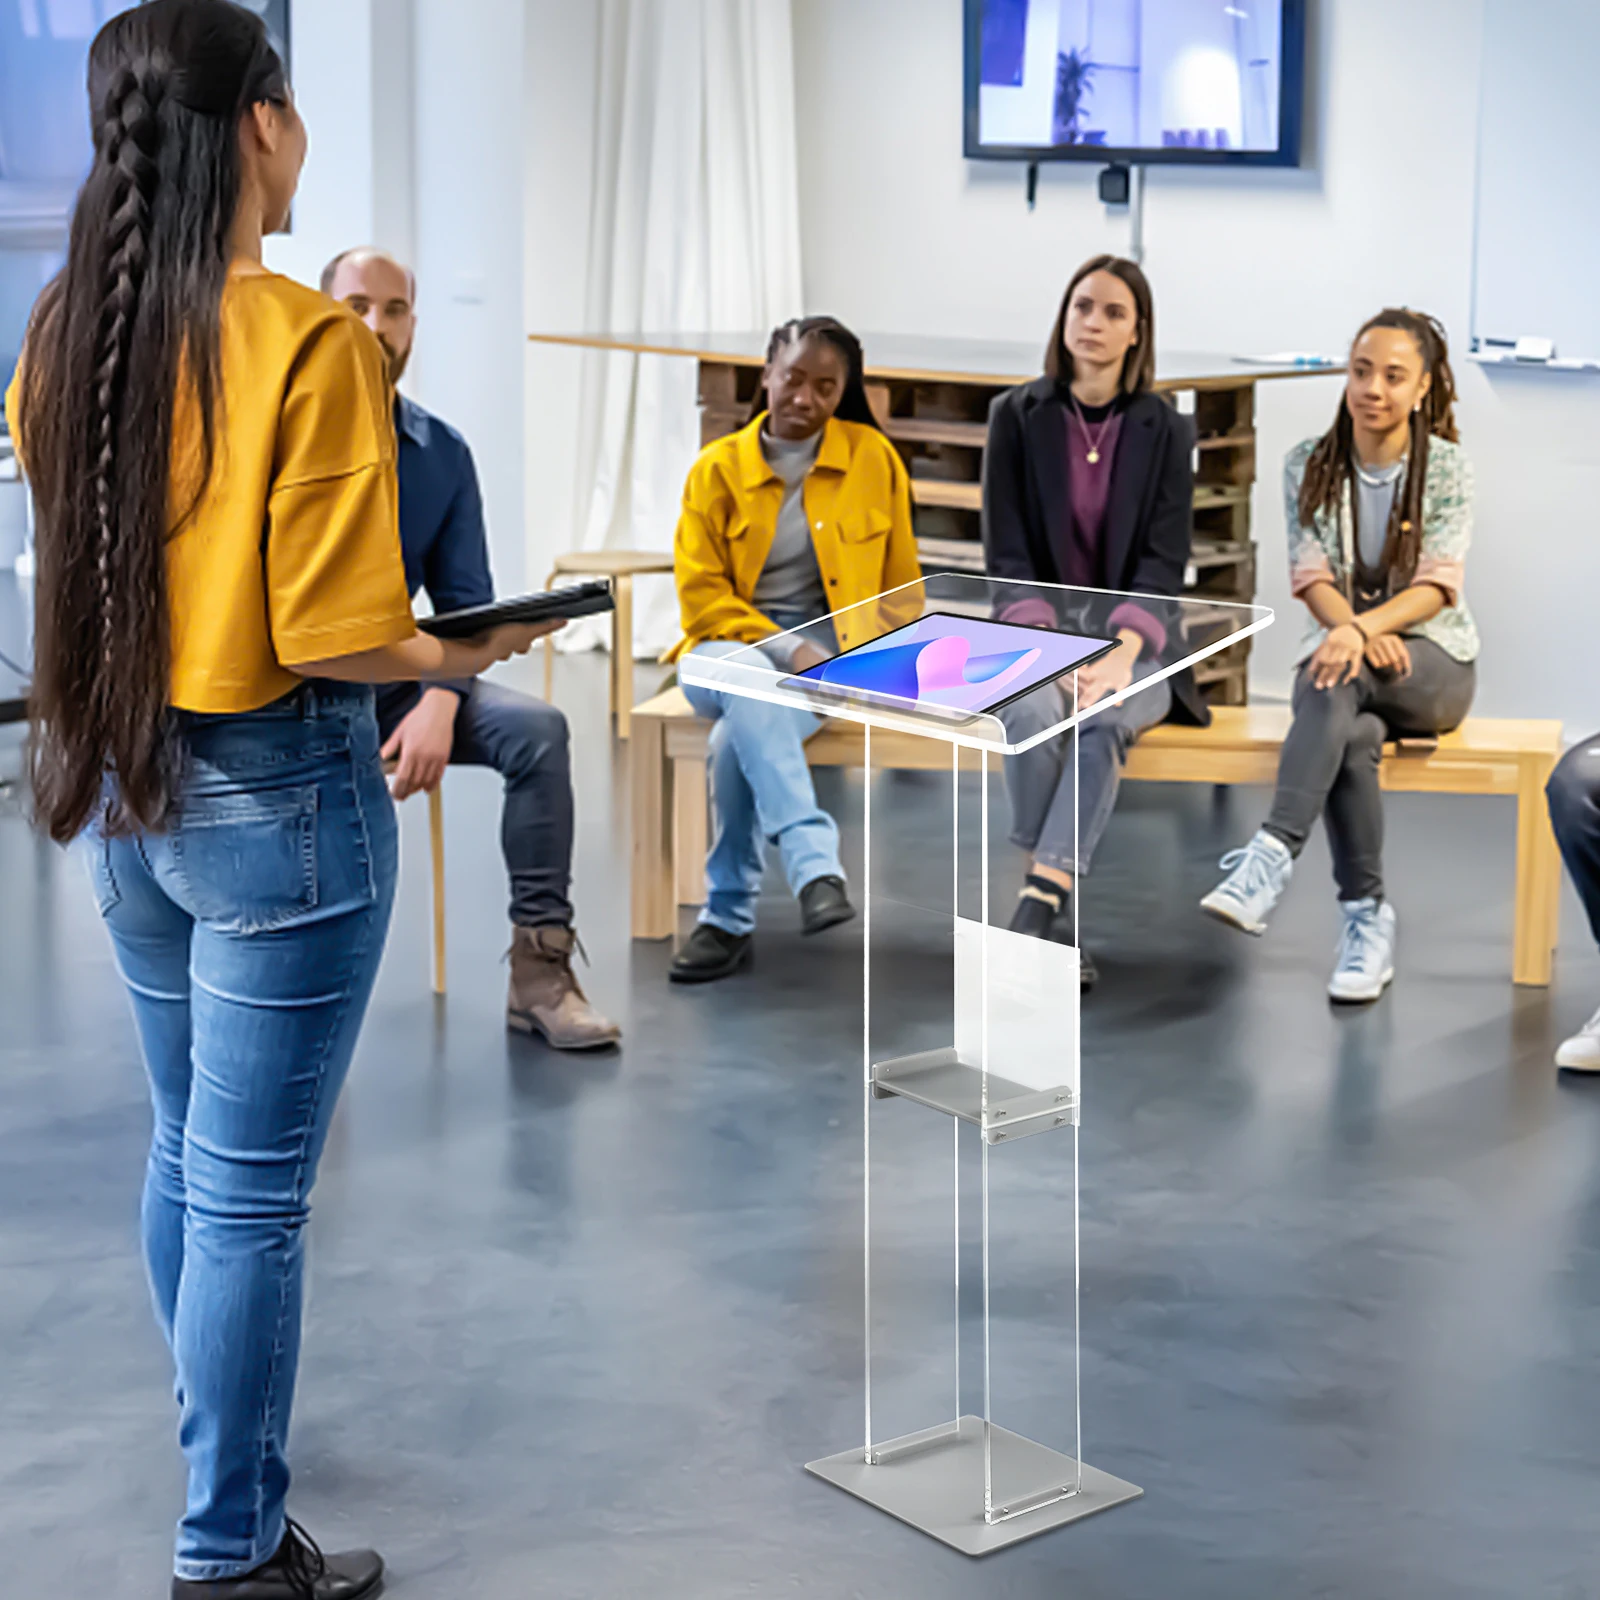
{"x": 1537, "y": 270}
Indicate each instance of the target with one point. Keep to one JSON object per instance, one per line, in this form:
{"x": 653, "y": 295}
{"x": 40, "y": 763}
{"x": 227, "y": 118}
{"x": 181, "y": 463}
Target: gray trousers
{"x": 1045, "y": 818}
{"x": 1329, "y": 766}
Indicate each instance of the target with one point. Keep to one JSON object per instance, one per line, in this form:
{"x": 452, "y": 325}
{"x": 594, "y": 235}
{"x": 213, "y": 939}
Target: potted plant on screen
{"x": 1072, "y": 92}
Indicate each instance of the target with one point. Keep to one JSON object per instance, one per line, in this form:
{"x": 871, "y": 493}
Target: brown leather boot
{"x": 544, "y": 996}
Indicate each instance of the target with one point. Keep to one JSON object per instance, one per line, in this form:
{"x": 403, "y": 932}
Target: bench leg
{"x": 655, "y": 915}
{"x": 1538, "y": 879}
{"x": 622, "y": 654}
{"x": 689, "y": 805}
{"x": 436, "y": 844}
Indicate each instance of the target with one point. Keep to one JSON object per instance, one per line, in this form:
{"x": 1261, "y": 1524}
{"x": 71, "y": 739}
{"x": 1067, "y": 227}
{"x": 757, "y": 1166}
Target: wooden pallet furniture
{"x": 932, "y": 397}
{"x": 1485, "y": 756}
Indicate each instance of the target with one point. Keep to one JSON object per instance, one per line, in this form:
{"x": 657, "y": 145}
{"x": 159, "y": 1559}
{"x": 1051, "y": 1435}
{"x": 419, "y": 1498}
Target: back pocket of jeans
{"x": 248, "y": 861}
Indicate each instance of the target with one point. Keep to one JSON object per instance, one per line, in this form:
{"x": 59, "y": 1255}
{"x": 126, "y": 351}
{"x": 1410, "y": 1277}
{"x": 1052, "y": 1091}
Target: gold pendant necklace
{"x": 1092, "y": 440}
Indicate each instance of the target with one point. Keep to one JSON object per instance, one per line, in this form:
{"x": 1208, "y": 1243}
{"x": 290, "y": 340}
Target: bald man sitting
{"x": 474, "y": 723}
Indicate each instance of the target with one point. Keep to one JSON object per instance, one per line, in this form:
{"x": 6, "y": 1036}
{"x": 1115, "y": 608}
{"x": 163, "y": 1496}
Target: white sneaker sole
{"x": 1584, "y": 1059}
{"x": 1221, "y": 911}
{"x": 1360, "y": 997}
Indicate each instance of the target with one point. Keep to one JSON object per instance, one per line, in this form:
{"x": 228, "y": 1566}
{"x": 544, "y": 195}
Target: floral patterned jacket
{"x": 1325, "y": 552}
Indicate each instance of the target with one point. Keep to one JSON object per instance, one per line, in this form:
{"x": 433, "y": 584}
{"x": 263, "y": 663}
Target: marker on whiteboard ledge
{"x": 1291, "y": 358}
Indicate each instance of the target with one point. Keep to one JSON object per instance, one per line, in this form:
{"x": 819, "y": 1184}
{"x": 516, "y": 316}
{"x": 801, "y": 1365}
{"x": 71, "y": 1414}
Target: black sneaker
{"x": 299, "y": 1571}
{"x": 709, "y": 953}
{"x": 824, "y": 904}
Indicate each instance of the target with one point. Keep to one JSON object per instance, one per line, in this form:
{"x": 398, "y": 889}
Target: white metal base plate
{"x": 934, "y": 1481}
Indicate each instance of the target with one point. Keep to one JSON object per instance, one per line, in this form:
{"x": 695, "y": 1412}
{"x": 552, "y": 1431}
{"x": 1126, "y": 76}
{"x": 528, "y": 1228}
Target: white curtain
{"x": 694, "y": 226}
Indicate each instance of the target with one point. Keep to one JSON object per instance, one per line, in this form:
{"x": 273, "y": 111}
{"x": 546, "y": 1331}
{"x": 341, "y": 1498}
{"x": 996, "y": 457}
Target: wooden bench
{"x": 1486, "y": 756}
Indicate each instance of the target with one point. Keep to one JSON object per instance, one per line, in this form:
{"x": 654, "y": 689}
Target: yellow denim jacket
{"x": 858, "y": 505}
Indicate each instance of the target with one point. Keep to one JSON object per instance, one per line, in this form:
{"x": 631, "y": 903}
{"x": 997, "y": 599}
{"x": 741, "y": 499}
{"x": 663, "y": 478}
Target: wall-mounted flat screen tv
{"x": 1135, "y": 80}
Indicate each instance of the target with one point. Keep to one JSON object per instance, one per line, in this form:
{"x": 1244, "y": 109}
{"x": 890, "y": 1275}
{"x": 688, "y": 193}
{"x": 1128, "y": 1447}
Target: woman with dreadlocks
{"x": 213, "y": 465}
{"x": 1380, "y": 517}
{"x": 804, "y": 511}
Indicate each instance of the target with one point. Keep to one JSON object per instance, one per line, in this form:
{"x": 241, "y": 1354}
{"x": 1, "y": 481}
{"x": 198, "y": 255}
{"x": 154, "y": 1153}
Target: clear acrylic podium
{"x": 964, "y": 1018}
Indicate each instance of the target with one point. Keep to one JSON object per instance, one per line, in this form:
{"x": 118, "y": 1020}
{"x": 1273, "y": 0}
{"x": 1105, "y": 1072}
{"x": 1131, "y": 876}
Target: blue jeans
{"x": 249, "y": 935}
{"x": 526, "y": 741}
{"x": 762, "y": 791}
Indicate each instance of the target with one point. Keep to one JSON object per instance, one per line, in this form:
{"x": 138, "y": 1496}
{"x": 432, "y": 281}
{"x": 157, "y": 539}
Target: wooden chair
{"x": 436, "y": 854}
{"x": 1484, "y": 756}
{"x": 621, "y": 567}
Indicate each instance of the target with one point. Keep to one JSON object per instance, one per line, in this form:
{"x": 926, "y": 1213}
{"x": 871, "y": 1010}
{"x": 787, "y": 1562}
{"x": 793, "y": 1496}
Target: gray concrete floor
{"x": 574, "y": 1325}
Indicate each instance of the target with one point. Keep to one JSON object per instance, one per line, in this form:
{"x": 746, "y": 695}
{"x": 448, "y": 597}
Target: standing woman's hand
{"x": 466, "y": 658}
{"x": 1339, "y": 656}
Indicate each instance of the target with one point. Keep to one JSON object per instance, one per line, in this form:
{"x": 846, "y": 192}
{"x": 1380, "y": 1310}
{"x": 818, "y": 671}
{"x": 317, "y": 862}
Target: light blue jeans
{"x": 248, "y": 935}
{"x": 762, "y": 792}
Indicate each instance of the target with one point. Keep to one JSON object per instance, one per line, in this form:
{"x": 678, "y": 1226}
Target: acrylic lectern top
{"x": 1171, "y": 633}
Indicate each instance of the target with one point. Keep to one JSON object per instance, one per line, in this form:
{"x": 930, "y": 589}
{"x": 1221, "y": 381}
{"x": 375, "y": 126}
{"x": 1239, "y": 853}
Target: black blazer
{"x": 1149, "y": 516}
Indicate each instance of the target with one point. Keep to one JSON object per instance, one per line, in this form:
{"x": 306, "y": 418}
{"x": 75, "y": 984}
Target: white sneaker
{"x": 1365, "y": 967}
{"x": 1581, "y": 1053}
{"x": 1257, "y": 876}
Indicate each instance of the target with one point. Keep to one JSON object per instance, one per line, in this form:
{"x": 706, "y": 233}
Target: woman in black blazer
{"x": 1088, "y": 480}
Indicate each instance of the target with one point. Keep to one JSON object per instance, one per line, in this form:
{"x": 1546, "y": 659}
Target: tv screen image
{"x": 1135, "y": 80}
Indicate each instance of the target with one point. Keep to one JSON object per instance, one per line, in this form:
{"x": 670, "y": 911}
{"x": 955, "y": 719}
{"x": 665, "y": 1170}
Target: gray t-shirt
{"x": 1375, "y": 492}
{"x": 791, "y": 580}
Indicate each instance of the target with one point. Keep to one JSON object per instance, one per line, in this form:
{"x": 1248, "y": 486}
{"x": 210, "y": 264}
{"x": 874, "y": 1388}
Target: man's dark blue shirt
{"x": 442, "y": 536}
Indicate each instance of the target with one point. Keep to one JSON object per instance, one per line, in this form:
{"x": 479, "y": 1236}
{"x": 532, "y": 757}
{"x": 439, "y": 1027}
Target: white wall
{"x": 332, "y": 70}
{"x": 468, "y": 151}
{"x": 559, "y": 124}
{"x": 902, "y": 235}
{"x": 416, "y": 116}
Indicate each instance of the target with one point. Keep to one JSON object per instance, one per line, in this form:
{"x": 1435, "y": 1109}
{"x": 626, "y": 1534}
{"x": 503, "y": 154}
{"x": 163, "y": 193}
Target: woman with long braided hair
{"x": 212, "y": 462}
{"x": 804, "y": 511}
{"x": 1380, "y": 518}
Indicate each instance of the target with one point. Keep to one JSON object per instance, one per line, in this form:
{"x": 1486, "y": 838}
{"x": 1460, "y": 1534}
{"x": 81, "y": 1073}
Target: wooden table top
{"x": 917, "y": 358}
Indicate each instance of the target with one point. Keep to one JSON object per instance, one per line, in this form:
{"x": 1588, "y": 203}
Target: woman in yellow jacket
{"x": 801, "y": 513}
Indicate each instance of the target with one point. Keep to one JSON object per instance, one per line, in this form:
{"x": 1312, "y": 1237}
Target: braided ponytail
{"x": 130, "y": 138}
{"x": 134, "y": 315}
{"x": 1330, "y": 468}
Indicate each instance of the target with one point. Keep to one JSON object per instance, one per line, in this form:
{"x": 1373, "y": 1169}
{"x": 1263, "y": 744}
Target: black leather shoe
{"x": 299, "y": 1571}
{"x": 1061, "y": 931}
{"x": 824, "y": 904}
{"x": 1041, "y": 918}
{"x": 1036, "y": 914}
{"x": 1088, "y": 972}
{"x": 709, "y": 953}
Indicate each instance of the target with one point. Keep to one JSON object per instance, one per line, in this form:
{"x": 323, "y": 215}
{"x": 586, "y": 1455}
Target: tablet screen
{"x": 946, "y": 664}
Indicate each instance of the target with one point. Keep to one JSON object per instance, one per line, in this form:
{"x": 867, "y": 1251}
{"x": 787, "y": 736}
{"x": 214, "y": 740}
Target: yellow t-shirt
{"x": 293, "y": 553}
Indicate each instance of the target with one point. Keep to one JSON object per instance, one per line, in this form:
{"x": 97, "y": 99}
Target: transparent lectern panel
{"x": 954, "y": 693}
{"x": 1016, "y": 1025}
{"x": 1033, "y": 1324}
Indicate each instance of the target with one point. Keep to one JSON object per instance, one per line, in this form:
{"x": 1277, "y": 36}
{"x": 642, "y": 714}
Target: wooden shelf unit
{"x": 940, "y": 423}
